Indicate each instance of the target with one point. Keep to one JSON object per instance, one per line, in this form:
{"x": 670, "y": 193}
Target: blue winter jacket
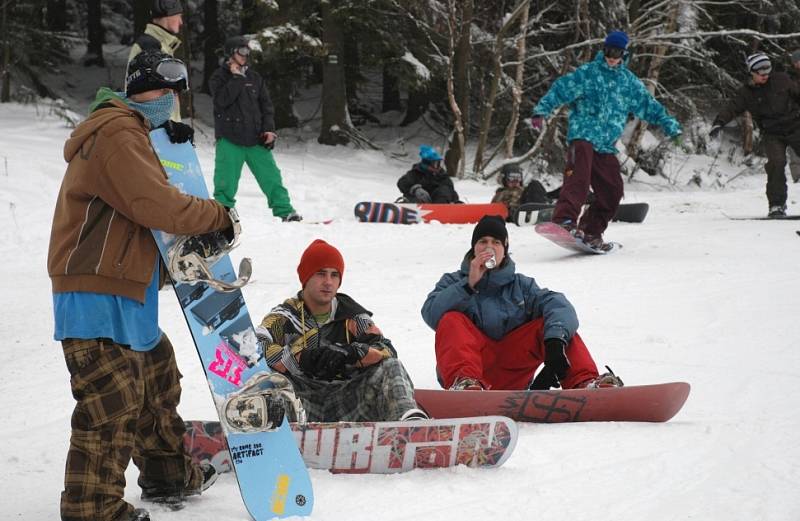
{"x": 600, "y": 98}
{"x": 502, "y": 301}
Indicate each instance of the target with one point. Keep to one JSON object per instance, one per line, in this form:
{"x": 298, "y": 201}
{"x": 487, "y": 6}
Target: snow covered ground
{"x": 693, "y": 296}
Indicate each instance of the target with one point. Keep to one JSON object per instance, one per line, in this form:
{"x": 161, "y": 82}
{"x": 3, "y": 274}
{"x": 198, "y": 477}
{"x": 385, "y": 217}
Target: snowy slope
{"x": 692, "y": 296}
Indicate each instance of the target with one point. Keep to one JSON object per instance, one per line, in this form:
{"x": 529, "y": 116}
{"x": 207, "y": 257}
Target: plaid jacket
{"x": 290, "y": 328}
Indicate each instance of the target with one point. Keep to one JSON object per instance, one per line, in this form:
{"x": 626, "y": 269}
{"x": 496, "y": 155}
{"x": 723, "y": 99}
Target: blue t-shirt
{"x": 86, "y": 315}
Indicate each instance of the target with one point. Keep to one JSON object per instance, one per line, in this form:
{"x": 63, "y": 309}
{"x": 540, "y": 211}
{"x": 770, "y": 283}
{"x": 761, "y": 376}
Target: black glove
{"x": 323, "y": 363}
{"x": 420, "y": 194}
{"x": 544, "y": 380}
{"x": 178, "y": 132}
{"x": 554, "y": 357}
{"x": 715, "y": 130}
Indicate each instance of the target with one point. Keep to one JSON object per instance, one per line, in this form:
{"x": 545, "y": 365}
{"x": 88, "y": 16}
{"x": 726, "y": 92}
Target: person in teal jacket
{"x": 600, "y": 94}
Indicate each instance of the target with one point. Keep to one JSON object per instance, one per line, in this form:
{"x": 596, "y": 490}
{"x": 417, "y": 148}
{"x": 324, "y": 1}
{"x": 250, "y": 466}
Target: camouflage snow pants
{"x": 126, "y": 408}
{"x": 380, "y": 392}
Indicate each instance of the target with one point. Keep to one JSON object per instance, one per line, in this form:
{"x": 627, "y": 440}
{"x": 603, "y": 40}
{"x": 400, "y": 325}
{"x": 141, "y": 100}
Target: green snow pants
{"x": 228, "y": 169}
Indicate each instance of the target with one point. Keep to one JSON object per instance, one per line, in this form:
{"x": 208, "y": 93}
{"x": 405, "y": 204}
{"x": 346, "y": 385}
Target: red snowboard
{"x": 640, "y": 403}
{"x": 410, "y": 213}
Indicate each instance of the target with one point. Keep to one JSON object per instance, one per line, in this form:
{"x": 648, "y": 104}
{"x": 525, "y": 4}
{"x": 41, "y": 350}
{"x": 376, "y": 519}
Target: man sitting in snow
{"x": 427, "y": 181}
{"x": 341, "y": 365}
{"x": 495, "y": 327}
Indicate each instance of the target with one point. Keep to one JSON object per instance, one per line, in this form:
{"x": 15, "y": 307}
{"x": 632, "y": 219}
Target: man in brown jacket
{"x": 105, "y": 271}
{"x": 773, "y": 99}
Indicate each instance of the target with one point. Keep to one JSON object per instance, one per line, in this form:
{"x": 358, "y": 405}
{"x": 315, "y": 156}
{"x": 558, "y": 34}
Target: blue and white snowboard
{"x": 272, "y": 476}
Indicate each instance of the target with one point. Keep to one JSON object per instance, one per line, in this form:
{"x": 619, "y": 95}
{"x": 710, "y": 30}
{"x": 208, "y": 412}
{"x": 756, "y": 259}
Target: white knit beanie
{"x": 758, "y": 60}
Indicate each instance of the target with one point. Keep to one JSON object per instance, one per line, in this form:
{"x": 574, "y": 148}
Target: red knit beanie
{"x": 317, "y": 256}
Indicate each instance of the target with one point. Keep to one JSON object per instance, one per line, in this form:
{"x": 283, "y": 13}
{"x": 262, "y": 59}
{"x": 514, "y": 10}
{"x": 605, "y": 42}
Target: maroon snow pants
{"x": 506, "y": 364}
{"x": 587, "y": 168}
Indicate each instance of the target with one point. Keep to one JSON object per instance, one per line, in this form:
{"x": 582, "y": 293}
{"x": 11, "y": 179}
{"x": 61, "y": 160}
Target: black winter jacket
{"x": 775, "y": 106}
{"x": 439, "y": 186}
{"x": 242, "y": 106}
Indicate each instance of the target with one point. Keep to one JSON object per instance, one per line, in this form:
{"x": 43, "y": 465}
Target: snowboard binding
{"x": 263, "y": 404}
{"x": 191, "y": 257}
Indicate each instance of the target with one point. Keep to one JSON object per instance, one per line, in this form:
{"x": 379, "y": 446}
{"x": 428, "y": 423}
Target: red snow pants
{"x": 506, "y": 364}
{"x": 587, "y": 168}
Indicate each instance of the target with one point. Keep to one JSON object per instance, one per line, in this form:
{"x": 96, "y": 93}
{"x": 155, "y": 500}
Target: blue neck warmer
{"x": 157, "y": 111}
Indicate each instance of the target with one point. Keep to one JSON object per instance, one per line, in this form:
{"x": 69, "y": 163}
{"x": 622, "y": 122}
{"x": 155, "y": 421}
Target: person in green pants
{"x": 245, "y": 131}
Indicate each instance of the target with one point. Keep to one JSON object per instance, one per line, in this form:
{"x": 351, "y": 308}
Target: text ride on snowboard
{"x": 412, "y": 213}
{"x": 379, "y": 447}
{"x": 272, "y": 477}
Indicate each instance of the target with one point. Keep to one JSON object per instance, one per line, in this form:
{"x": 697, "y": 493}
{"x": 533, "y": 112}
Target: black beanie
{"x": 493, "y": 226}
{"x": 162, "y": 8}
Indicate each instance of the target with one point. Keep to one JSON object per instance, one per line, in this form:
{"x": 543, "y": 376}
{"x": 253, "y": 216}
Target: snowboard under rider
{"x": 601, "y": 94}
{"x": 340, "y": 364}
{"x": 106, "y": 271}
{"x": 244, "y": 128}
{"x": 773, "y": 99}
{"x": 427, "y": 181}
{"x": 495, "y": 327}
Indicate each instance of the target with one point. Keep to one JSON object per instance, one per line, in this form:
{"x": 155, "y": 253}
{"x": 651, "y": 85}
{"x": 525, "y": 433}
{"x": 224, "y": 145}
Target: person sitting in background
{"x": 510, "y": 193}
{"x": 495, "y": 327}
{"x": 427, "y": 181}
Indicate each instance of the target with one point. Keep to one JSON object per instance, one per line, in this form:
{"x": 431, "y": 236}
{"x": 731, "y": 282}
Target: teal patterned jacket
{"x": 600, "y": 98}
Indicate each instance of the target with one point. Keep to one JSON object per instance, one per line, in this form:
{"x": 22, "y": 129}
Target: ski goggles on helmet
{"x": 242, "y": 51}
{"x": 613, "y": 52}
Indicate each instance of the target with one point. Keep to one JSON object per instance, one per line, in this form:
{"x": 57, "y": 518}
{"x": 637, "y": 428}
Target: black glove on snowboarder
{"x": 555, "y": 358}
{"x": 178, "y": 132}
{"x": 544, "y": 380}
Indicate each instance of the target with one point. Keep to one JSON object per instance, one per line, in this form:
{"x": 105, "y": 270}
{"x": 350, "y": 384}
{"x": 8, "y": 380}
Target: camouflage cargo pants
{"x": 126, "y": 408}
{"x": 381, "y": 392}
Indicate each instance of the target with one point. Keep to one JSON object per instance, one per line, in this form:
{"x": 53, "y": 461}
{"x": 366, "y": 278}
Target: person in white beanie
{"x": 773, "y": 99}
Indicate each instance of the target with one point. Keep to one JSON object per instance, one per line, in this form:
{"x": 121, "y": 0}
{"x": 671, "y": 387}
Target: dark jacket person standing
{"x": 773, "y": 99}
{"x": 245, "y": 131}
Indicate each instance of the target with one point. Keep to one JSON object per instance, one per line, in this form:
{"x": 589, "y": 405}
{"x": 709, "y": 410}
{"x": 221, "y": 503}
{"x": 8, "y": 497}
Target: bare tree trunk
{"x": 418, "y": 100}
{"x": 516, "y": 89}
{"x": 211, "y": 42}
{"x": 336, "y": 124}
{"x": 249, "y": 15}
{"x": 460, "y": 58}
{"x": 56, "y": 17}
{"x": 497, "y": 72}
{"x": 141, "y": 15}
{"x": 94, "y": 49}
{"x": 634, "y": 143}
{"x": 391, "y": 91}
{"x": 452, "y": 23}
{"x": 5, "y": 92}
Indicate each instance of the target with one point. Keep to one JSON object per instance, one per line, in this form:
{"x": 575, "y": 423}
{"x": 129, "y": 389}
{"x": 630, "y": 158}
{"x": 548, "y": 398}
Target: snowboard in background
{"x": 563, "y": 238}
{"x": 535, "y": 213}
{"x": 272, "y": 477}
{"x": 763, "y": 218}
{"x": 378, "y": 447}
{"x": 635, "y": 403}
{"x": 411, "y": 213}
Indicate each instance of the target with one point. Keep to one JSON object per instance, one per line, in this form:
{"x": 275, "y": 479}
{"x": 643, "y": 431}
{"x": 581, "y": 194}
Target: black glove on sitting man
{"x": 555, "y": 367}
{"x": 328, "y": 360}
